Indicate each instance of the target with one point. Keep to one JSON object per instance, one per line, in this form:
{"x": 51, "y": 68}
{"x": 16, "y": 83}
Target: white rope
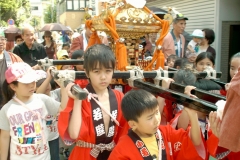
{"x": 136, "y": 73}
{"x": 159, "y": 75}
{"x": 211, "y": 73}
{"x": 64, "y": 75}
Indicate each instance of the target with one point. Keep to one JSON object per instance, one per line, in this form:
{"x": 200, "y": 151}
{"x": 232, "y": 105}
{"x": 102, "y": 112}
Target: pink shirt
{"x": 168, "y": 46}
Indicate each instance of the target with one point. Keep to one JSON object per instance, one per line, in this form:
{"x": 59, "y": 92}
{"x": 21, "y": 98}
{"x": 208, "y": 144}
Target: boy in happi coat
{"x": 146, "y": 139}
{"x": 96, "y": 123}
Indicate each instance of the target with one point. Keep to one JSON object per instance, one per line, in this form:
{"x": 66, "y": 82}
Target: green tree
{"x": 35, "y": 22}
{"x": 12, "y": 9}
{"x": 50, "y": 14}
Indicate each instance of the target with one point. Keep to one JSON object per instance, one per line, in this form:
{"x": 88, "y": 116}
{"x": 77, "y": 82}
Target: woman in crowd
{"x": 209, "y": 37}
{"x": 49, "y": 45}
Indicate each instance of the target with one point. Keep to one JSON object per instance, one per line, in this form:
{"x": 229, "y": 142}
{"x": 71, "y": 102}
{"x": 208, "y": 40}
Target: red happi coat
{"x": 213, "y": 148}
{"x": 177, "y": 144}
{"x": 211, "y": 144}
{"x": 87, "y": 130}
{"x": 223, "y": 92}
{"x": 82, "y": 82}
{"x": 202, "y": 149}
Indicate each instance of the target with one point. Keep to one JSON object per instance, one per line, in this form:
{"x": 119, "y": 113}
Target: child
{"x": 78, "y": 54}
{"x": 66, "y": 46}
{"x": 178, "y": 63}
{"x": 171, "y": 60}
{"x": 185, "y": 76}
{"x": 87, "y": 122}
{"x": 43, "y": 86}
{"x": 62, "y": 54}
{"x": 183, "y": 63}
{"x": 22, "y": 118}
{"x": 193, "y": 45}
{"x": 140, "y": 108}
{"x": 203, "y": 61}
{"x": 234, "y": 64}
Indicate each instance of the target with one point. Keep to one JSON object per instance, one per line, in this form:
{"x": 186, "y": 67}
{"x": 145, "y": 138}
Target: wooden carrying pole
{"x": 147, "y": 74}
{"x": 194, "y": 103}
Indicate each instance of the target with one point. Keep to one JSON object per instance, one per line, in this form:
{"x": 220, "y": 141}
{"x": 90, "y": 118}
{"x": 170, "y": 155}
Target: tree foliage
{"x": 35, "y": 22}
{"x": 50, "y": 14}
{"x": 18, "y": 10}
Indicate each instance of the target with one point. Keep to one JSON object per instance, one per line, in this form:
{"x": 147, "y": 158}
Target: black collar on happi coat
{"x": 97, "y": 118}
{"x": 144, "y": 152}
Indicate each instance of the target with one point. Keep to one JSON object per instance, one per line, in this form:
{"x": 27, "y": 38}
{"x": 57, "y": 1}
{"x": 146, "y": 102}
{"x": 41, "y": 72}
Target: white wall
{"x": 201, "y": 13}
{"x": 227, "y": 10}
{"x": 38, "y": 12}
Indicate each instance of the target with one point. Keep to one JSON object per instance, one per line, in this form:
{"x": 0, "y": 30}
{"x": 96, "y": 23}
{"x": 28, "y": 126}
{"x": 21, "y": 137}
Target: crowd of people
{"x": 40, "y": 118}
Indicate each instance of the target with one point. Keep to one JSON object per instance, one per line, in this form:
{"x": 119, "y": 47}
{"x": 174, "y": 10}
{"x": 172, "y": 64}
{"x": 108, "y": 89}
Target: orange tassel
{"x": 94, "y": 39}
{"x": 158, "y": 54}
{"x": 121, "y": 51}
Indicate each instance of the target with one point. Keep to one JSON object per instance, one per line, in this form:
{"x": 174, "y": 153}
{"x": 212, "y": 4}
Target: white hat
{"x": 41, "y": 74}
{"x": 197, "y": 33}
{"x": 20, "y": 72}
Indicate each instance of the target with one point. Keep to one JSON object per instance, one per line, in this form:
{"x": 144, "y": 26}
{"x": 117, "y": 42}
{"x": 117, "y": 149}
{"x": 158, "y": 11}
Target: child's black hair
{"x": 136, "y": 102}
{"x": 7, "y": 92}
{"x": 237, "y": 55}
{"x": 172, "y": 56}
{"x": 183, "y": 63}
{"x": 204, "y": 55}
{"x": 18, "y": 36}
{"x": 77, "y": 54}
{"x": 185, "y": 76}
{"x": 178, "y": 63}
{"x": 65, "y": 44}
{"x": 101, "y": 54}
{"x": 207, "y": 85}
{"x": 187, "y": 65}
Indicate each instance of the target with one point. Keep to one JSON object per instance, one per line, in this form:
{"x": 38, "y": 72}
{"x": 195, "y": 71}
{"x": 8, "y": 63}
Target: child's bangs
{"x": 99, "y": 56}
{"x": 101, "y": 61}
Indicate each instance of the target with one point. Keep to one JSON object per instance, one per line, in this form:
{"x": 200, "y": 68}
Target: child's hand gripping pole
{"x": 64, "y": 77}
